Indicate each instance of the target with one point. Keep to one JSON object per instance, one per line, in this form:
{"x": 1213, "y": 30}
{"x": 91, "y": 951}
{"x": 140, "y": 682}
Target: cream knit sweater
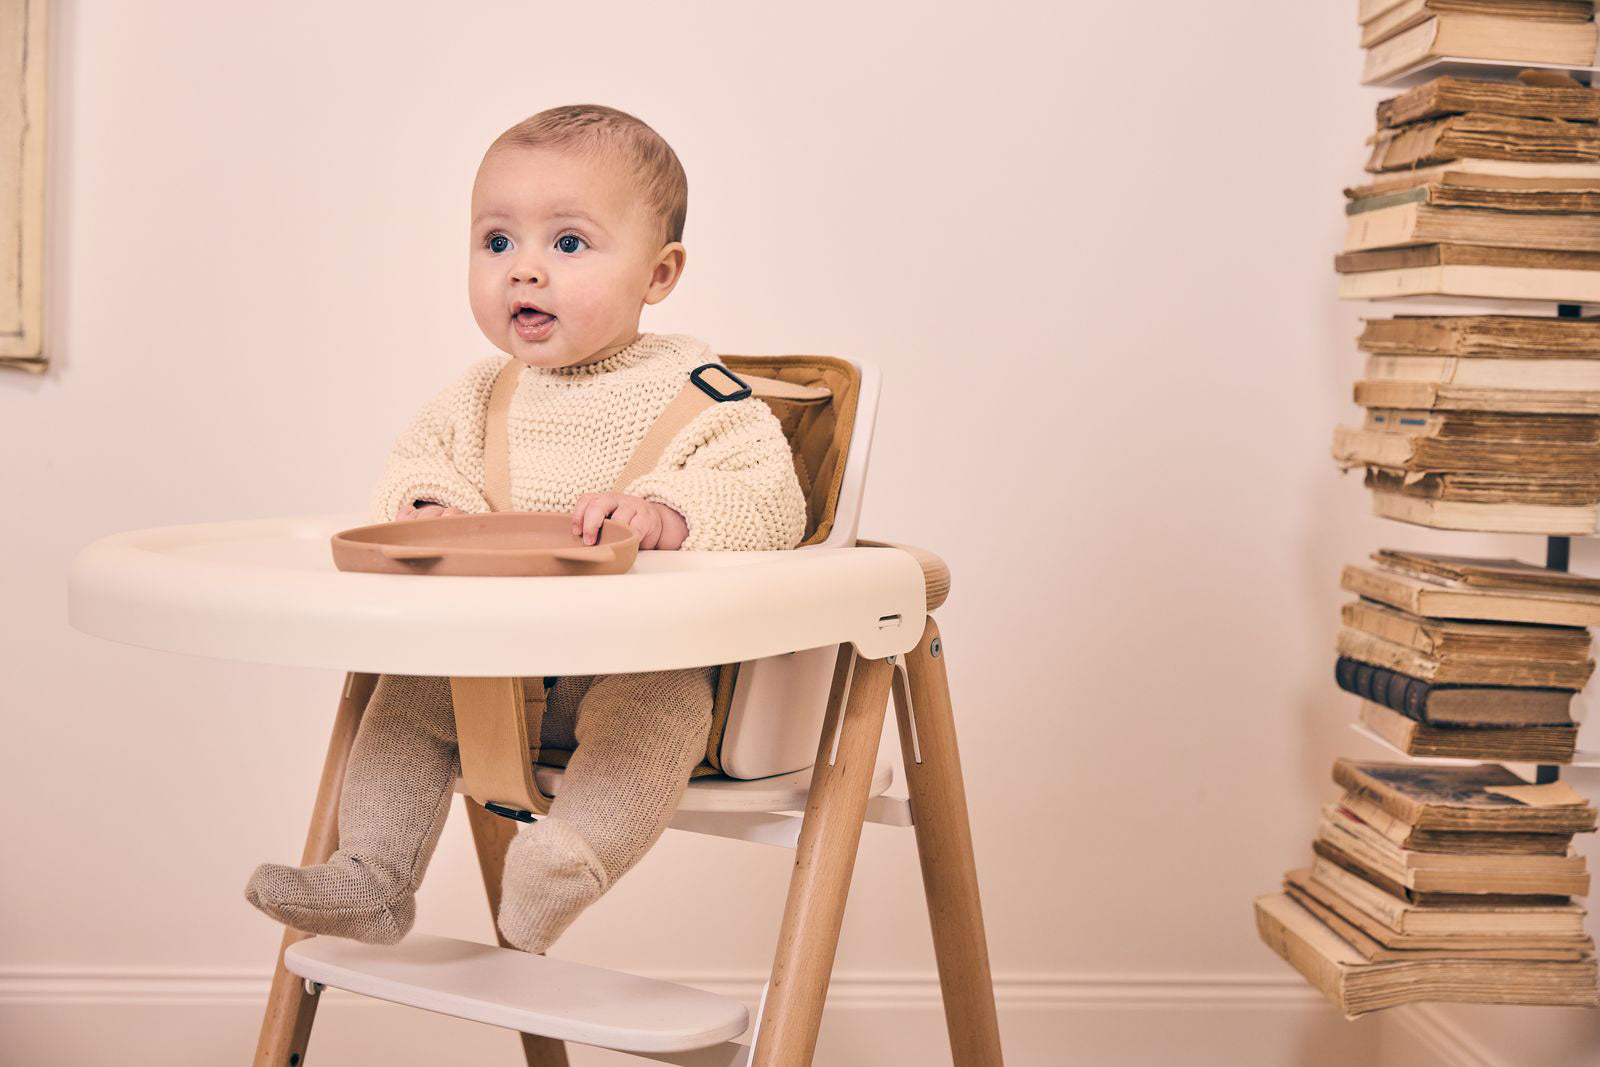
{"x": 729, "y": 473}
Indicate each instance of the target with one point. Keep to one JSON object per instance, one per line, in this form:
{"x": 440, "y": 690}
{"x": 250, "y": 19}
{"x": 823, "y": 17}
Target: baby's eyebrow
{"x": 560, "y": 213}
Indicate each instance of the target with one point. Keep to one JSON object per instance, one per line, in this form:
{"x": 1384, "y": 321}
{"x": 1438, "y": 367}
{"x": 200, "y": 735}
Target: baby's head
{"x": 577, "y": 212}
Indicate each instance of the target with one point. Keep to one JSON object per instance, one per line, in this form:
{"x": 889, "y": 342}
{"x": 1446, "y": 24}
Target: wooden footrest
{"x": 521, "y": 991}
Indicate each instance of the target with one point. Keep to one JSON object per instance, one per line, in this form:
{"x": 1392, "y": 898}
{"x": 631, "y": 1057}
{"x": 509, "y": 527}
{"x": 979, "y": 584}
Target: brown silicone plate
{"x": 497, "y": 544}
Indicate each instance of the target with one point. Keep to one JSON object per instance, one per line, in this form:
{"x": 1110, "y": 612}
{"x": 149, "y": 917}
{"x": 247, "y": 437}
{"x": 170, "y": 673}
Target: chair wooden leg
{"x": 286, "y": 1025}
{"x": 944, "y": 845}
{"x": 492, "y": 835}
{"x": 825, "y": 857}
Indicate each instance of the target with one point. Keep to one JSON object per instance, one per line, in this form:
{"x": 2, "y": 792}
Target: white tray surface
{"x": 267, "y": 591}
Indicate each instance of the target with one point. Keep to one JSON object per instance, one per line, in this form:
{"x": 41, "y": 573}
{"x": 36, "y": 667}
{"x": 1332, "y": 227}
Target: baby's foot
{"x": 551, "y": 876}
{"x": 344, "y": 897}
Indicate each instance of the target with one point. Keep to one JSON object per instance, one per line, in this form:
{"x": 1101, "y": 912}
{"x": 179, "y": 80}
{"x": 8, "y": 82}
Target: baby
{"x": 577, "y": 223}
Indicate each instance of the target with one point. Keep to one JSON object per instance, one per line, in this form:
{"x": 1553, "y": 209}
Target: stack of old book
{"x": 1480, "y": 422}
{"x": 1467, "y": 658}
{"x": 1484, "y": 190}
{"x": 1403, "y": 35}
{"x": 1440, "y": 883}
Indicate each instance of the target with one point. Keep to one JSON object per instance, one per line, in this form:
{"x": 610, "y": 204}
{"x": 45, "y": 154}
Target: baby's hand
{"x": 408, "y": 512}
{"x": 657, "y": 525}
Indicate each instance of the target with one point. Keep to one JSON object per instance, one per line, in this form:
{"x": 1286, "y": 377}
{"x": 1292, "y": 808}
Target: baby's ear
{"x": 668, "y": 269}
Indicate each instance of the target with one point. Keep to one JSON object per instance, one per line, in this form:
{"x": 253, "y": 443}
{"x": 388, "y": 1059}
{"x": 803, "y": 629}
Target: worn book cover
{"x": 1570, "y": 102}
{"x": 1485, "y": 798}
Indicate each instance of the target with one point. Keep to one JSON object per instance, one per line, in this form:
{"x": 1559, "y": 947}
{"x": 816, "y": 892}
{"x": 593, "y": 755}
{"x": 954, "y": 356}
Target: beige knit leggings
{"x": 634, "y": 740}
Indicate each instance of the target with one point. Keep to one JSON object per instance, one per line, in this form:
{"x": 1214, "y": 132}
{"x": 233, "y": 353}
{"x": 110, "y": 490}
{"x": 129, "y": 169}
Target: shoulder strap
{"x": 696, "y": 396}
{"x": 496, "y": 445}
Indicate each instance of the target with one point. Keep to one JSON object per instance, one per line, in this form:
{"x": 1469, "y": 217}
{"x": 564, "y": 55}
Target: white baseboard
{"x": 179, "y": 1017}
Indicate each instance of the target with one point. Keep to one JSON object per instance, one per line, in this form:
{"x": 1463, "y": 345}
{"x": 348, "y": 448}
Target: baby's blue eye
{"x": 569, "y": 242}
{"x": 493, "y": 237}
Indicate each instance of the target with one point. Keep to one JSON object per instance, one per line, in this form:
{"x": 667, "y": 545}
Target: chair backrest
{"x": 830, "y": 441}
{"x": 777, "y": 704}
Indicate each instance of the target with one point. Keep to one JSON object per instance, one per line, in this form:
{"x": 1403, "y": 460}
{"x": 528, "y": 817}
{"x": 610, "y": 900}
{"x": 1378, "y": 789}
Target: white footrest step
{"x": 521, "y": 991}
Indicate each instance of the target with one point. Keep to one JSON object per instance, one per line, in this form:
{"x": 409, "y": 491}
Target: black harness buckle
{"x": 510, "y": 813}
{"x": 706, "y": 388}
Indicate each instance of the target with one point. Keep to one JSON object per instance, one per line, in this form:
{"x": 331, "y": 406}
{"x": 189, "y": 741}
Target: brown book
{"x": 1451, "y": 35}
{"x": 1451, "y": 184}
{"x": 1450, "y": 640}
{"x": 1405, "y": 835}
{"x": 1567, "y": 434}
{"x": 1488, "y": 573}
{"x": 1412, "y": 386}
{"x": 1463, "y": 256}
{"x": 1454, "y": 914}
{"x": 1452, "y": 652}
{"x": 1488, "y": 502}
{"x": 1376, "y": 941}
{"x": 1532, "y": 744}
{"x": 1442, "y": 596}
{"x": 1489, "y": 487}
{"x": 1409, "y": 13}
{"x": 1401, "y": 220}
{"x": 1483, "y": 136}
{"x": 1364, "y": 668}
{"x": 1481, "y": 273}
{"x": 1447, "y": 872}
{"x": 1453, "y": 96}
{"x": 1485, "y": 798}
{"x": 1356, "y": 985}
{"x": 1410, "y": 438}
{"x": 1507, "y": 337}
{"x": 1553, "y": 197}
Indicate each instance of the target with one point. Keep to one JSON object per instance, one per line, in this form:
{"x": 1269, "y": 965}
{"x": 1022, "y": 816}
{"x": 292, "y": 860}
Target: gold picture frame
{"x": 22, "y": 118}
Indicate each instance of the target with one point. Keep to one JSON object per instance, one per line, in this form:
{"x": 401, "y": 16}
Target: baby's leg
{"x": 396, "y": 797}
{"x": 639, "y": 736}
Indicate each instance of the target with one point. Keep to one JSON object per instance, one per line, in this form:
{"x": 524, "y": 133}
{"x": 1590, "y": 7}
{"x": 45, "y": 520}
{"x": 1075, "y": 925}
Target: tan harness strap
{"x": 690, "y": 402}
{"x": 496, "y": 443}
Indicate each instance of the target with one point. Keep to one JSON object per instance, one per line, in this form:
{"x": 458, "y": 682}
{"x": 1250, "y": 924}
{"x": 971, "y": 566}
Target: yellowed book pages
{"x": 1564, "y": 375}
{"x": 1465, "y": 602}
{"x": 1493, "y": 283}
{"x": 1554, "y": 921}
{"x": 1423, "y": 224}
{"x": 1530, "y": 744}
{"x": 1546, "y": 520}
{"x": 1357, "y": 986}
{"x": 1367, "y": 647}
{"x": 1434, "y": 396}
{"x": 1455, "y": 640}
{"x": 1444, "y": 872}
{"x": 1375, "y": 941}
{"x": 1409, "y": 13}
{"x": 1482, "y": 37}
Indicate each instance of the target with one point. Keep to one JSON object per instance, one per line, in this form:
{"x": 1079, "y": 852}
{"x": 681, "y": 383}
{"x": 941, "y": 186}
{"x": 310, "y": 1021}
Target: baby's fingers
{"x": 594, "y": 513}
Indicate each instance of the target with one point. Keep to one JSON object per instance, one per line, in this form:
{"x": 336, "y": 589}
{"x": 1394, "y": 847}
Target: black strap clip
{"x": 510, "y": 813}
{"x": 705, "y": 387}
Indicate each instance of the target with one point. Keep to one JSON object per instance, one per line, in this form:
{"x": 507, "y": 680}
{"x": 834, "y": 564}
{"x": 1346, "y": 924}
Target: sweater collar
{"x": 639, "y": 350}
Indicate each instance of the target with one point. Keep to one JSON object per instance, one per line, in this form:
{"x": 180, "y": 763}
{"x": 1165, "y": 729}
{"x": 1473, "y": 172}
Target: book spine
{"x": 1401, "y": 692}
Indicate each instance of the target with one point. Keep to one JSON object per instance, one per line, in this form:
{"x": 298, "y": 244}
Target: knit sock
{"x": 393, "y": 806}
{"x": 638, "y": 737}
{"x": 557, "y": 875}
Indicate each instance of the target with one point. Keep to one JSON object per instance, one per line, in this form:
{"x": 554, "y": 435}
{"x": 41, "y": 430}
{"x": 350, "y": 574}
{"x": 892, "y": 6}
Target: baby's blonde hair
{"x": 597, "y": 128}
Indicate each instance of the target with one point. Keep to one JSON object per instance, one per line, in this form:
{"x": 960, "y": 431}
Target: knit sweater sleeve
{"x": 730, "y": 474}
{"x": 439, "y": 456}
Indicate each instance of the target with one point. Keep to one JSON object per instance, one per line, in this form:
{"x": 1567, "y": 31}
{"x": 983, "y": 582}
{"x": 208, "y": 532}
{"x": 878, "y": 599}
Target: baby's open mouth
{"x": 533, "y": 315}
{"x": 533, "y": 323}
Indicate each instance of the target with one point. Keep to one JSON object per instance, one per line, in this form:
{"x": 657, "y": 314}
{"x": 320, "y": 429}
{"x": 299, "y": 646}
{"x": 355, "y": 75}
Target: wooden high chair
{"x": 266, "y": 591}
